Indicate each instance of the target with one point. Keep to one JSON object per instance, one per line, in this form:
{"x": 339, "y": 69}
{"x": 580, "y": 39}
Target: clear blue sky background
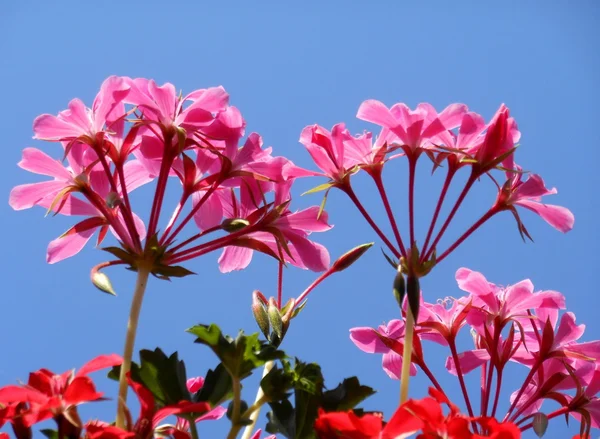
{"x": 286, "y": 66}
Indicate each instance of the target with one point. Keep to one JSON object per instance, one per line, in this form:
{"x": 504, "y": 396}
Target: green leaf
{"x": 121, "y": 254}
{"x": 49, "y": 433}
{"x": 281, "y": 419}
{"x": 347, "y": 395}
{"x": 166, "y": 271}
{"x": 164, "y": 376}
{"x": 217, "y": 388}
{"x": 240, "y": 356}
{"x": 319, "y": 188}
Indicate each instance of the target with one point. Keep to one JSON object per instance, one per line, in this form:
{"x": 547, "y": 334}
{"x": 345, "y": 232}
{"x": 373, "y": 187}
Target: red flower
{"x": 56, "y": 396}
{"x": 347, "y": 425}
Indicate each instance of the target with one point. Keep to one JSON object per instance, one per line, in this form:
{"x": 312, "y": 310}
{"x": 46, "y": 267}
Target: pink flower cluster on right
{"x": 455, "y": 138}
{"x": 508, "y": 324}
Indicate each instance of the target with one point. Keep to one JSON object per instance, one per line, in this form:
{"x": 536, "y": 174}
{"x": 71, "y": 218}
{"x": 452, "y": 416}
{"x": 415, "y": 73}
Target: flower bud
{"x": 102, "y": 282}
{"x": 113, "y": 200}
{"x": 275, "y": 318}
{"x": 231, "y": 225}
{"x": 350, "y": 257}
{"x": 413, "y": 294}
{"x": 399, "y": 288}
{"x": 260, "y": 314}
{"x": 540, "y": 423}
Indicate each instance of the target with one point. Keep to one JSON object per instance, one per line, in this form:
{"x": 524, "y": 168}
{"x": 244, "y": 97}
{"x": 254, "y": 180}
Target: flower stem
{"x": 554, "y": 414}
{"x": 350, "y": 192}
{"x": 134, "y": 314}
{"x": 461, "y": 378}
{"x": 259, "y": 397}
{"x": 457, "y": 204}
{"x": 486, "y": 216}
{"x": 193, "y": 429}
{"x": 412, "y": 167}
{"x": 522, "y": 389}
{"x": 496, "y": 397}
{"x": 279, "y": 285}
{"x": 438, "y": 207}
{"x": 235, "y": 415}
{"x": 406, "y": 355}
{"x": 386, "y": 203}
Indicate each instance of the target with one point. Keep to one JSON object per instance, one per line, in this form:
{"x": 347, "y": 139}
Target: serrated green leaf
{"x": 240, "y": 356}
{"x": 347, "y": 395}
{"x": 217, "y": 388}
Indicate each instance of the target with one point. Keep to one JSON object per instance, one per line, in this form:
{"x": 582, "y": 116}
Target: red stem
{"x": 350, "y": 192}
{"x": 161, "y": 186}
{"x": 486, "y": 216}
{"x": 377, "y": 178}
{"x": 554, "y": 414}
{"x": 176, "y": 212}
{"x": 459, "y": 201}
{"x": 126, "y": 209}
{"x": 497, "y": 395}
{"x": 438, "y": 207}
{"x": 412, "y": 165}
{"x": 488, "y": 390}
{"x": 461, "y": 379}
{"x": 191, "y": 214}
{"x": 279, "y": 284}
{"x": 522, "y": 389}
{"x": 482, "y": 385}
{"x": 195, "y": 237}
{"x": 99, "y": 204}
{"x": 219, "y": 242}
{"x": 431, "y": 377}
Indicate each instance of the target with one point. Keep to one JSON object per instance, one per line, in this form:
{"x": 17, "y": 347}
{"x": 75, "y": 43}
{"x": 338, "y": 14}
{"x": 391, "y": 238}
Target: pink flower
{"x": 163, "y": 105}
{"x": 528, "y": 194}
{"x": 367, "y": 340}
{"x": 279, "y": 230}
{"x": 257, "y": 433}
{"x": 500, "y": 138}
{"x": 417, "y": 128}
{"x": 492, "y": 303}
{"x": 107, "y": 113}
{"x": 59, "y": 195}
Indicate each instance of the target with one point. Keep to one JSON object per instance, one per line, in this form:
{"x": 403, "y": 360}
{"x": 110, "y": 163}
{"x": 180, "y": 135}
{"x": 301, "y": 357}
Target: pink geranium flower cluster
{"x": 136, "y": 132}
{"x": 512, "y": 324}
{"x": 455, "y": 138}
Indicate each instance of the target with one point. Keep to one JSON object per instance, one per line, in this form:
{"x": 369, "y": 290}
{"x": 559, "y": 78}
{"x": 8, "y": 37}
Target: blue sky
{"x": 286, "y": 66}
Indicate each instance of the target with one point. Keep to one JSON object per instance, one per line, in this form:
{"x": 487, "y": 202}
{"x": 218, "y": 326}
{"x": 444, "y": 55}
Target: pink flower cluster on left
{"x": 136, "y": 132}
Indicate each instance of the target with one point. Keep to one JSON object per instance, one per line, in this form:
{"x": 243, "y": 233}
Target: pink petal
{"x": 367, "y": 340}
{"x": 71, "y": 206}
{"x": 306, "y": 220}
{"x": 28, "y": 195}
{"x": 212, "y": 99}
{"x": 469, "y": 134}
{"x": 568, "y": 331}
{"x": 39, "y": 162}
{"x": 99, "y": 363}
{"x": 67, "y": 246}
{"x": 210, "y": 214}
{"x": 392, "y": 365}
{"x": 468, "y": 361}
{"x": 216, "y": 413}
{"x": 533, "y": 187}
{"x": 472, "y": 282}
{"x": 165, "y": 97}
{"x": 234, "y": 258}
{"x": 558, "y": 217}
{"x": 452, "y": 115}
{"x": 112, "y": 92}
{"x": 318, "y": 152}
{"x": 194, "y": 384}
{"x": 136, "y": 175}
{"x": 313, "y": 255}
{"x": 376, "y": 112}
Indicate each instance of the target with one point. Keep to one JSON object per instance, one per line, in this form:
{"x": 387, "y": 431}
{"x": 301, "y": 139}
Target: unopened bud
{"x": 413, "y": 294}
{"x": 540, "y": 424}
{"x": 102, "y": 282}
{"x": 275, "y": 318}
{"x": 260, "y": 314}
{"x": 113, "y": 200}
{"x": 350, "y": 257}
{"x": 231, "y": 225}
{"x": 399, "y": 288}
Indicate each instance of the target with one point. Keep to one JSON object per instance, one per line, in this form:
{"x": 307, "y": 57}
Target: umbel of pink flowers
{"x": 512, "y": 324}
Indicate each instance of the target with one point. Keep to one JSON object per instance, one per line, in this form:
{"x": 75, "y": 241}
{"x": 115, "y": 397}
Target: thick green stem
{"x": 259, "y": 397}
{"x": 235, "y": 415}
{"x": 134, "y": 314}
{"x": 406, "y": 355}
{"x": 194, "y": 429}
